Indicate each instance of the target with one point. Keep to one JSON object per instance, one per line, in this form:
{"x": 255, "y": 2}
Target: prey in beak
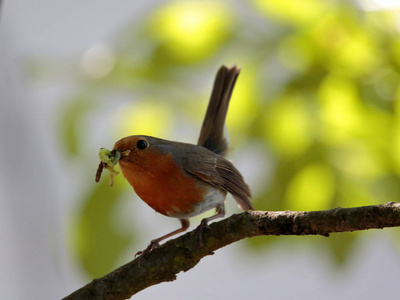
{"x": 108, "y": 159}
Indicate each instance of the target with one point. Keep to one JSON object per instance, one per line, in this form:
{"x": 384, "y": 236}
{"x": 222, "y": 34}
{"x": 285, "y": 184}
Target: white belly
{"x": 215, "y": 197}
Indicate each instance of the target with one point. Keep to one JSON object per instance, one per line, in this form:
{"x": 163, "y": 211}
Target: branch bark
{"x": 183, "y": 253}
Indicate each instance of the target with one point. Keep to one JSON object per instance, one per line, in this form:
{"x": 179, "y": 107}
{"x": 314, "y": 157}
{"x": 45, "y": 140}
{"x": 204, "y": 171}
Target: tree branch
{"x": 183, "y": 253}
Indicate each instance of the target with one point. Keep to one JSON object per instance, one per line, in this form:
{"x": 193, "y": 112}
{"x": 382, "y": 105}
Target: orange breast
{"x": 163, "y": 185}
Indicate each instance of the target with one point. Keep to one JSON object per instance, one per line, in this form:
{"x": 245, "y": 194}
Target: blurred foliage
{"x": 319, "y": 93}
{"x": 98, "y": 241}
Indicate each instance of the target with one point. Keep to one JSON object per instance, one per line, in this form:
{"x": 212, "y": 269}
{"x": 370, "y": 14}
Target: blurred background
{"x": 314, "y": 124}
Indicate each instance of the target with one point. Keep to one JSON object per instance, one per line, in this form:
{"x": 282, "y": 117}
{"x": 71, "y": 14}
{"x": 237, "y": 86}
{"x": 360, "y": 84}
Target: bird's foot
{"x": 153, "y": 244}
{"x": 199, "y": 231}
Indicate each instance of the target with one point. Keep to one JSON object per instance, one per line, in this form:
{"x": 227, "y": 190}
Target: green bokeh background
{"x": 318, "y": 97}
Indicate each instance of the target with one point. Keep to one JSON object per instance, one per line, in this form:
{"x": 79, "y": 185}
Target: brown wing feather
{"x": 220, "y": 173}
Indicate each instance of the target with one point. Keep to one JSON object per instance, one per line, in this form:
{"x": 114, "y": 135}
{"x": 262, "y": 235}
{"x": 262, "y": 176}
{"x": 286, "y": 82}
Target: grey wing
{"x": 220, "y": 173}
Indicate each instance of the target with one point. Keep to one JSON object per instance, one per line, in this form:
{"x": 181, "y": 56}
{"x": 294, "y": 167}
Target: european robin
{"x": 182, "y": 180}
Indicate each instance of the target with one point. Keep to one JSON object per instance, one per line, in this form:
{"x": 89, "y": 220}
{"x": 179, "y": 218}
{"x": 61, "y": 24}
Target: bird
{"x": 182, "y": 180}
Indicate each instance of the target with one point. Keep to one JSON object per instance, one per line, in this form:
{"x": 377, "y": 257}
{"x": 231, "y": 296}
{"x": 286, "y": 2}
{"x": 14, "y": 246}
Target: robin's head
{"x": 129, "y": 149}
{"x": 140, "y": 153}
{"x": 136, "y": 148}
{"x": 133, "y": 143}
{"x": 143, "y": 152}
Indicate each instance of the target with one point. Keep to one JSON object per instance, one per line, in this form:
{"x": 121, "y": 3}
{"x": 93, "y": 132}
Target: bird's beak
{"x": 125, "y": 153}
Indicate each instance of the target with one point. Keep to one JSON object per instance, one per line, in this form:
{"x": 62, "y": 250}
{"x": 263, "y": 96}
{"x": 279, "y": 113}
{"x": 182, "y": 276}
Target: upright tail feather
{"x": 212, "y": 131}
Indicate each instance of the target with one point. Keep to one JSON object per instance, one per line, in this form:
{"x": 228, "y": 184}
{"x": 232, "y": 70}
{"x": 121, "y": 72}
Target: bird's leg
{"x": 156, "y": 242}
{"x": 220, "y": 213}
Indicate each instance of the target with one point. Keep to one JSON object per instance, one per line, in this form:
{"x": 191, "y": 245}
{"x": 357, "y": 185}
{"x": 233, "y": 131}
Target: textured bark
{"x": 183, "y": 253}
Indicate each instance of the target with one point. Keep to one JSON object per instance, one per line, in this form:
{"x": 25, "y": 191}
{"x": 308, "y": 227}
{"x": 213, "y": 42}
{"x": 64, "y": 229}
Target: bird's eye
{"x": 141, "y": 144}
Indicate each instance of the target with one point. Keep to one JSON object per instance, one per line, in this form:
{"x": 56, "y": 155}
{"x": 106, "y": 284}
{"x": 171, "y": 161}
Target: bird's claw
{"x": 153, "y": 244}
{"x": 199, "y": 231}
